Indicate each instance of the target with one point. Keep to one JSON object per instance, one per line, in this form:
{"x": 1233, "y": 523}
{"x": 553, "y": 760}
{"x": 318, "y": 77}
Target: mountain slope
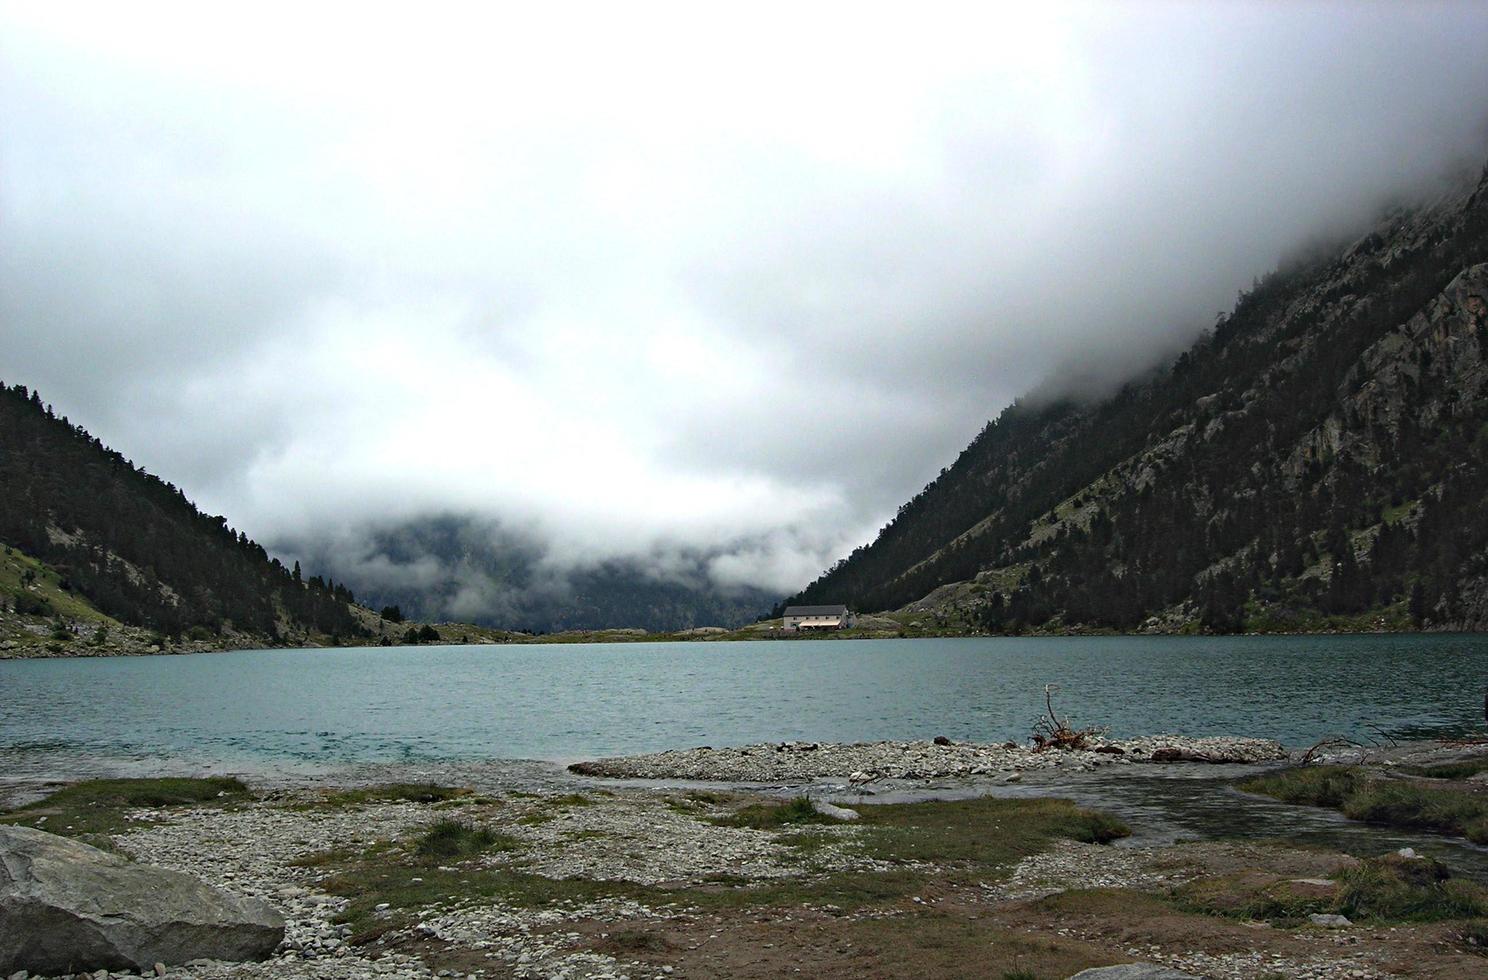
{"x": 1322, "y": 452}
{"x": 134, "y": 547}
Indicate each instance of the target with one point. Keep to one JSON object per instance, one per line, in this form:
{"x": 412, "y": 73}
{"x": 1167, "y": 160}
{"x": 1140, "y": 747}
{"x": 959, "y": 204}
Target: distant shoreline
{"x": 452, "y": 633}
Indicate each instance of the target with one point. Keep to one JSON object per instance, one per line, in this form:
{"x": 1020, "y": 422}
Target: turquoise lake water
{"x": 331, "y": 707}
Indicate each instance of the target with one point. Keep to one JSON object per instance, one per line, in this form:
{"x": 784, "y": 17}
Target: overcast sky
{"x": 636, "y": 277}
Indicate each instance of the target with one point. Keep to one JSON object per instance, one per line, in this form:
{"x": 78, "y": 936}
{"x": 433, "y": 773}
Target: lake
{"x": 269, "y": 709}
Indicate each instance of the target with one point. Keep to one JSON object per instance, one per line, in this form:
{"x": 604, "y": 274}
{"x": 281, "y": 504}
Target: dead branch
{"x": 1333, "y": 743}
{"x": 1054, "y": 732}
{"x": 1382, "y": 737}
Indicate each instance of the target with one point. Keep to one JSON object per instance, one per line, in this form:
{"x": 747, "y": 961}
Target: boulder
{"x": 1328, "y": 920}
{"x": 1132, "y": 971}
{"x": 66, "y": 907}
{"x": 832, "y": 810}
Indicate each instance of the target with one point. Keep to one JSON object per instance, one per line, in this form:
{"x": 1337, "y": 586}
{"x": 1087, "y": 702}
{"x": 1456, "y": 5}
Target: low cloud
{"x": 684, "y": 291}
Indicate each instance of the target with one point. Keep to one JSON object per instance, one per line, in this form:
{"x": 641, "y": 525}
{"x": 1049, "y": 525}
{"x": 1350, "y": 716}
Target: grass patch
{"x": 39, "y": 590}
{"x": 983, "y": 832}
{"x": 1474, "y": 935}
{"x": 397, "y": 793}
{"x": 1392, "y": 802}
{"x": 849, "y": 890}
{"x": 567, "y": 800}
{"x": 632, "y": 941}
{"x": 1312, "y": 785}
{"x": 409, "y": 889}
{"x": 929, "y": 944}
{"x": 578, "y": 835}
{"x": 769, "y": 816}
{"x": 324, "y": 859}
{"x": 1389, "y": 889}
{"x": 1257, "y": 896}
{"x": 1453, "y": 770}
{"x": 1397, "y": 889}
{"x": 807, "y": 843}
{"x": 96, "y": 807}
{"x": 973, "y": 839}
{"x": 693, "y": 802}
{"x": 454, "y": 839}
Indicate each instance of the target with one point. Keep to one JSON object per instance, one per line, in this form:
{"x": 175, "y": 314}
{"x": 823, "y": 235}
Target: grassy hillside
{"x": 101, "y": 537}
{"x": 29, "y": 586}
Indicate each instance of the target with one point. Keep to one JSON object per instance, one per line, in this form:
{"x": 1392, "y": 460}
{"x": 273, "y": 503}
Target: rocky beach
{"x": 861, "y": 763}
{"x": 688, "y": 866}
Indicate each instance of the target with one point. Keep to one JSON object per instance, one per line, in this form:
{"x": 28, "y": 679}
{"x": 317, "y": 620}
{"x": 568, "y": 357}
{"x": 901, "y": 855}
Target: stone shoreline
{"x": 672, "y": 843}
{"x": 861, "y": 763}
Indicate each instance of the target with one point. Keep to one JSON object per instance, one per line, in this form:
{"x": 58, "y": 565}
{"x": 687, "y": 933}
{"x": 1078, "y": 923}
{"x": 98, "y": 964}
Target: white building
{"x": 817, "y": 618}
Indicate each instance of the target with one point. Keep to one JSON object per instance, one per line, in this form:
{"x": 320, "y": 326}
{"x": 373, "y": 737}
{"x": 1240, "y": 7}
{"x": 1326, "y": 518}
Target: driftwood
{"x": 1054, "y": 732}
{"x": 1334, "y": 743}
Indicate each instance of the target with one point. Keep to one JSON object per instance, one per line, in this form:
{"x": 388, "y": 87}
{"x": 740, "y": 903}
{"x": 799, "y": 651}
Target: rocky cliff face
{"x": 1317, "y": 461}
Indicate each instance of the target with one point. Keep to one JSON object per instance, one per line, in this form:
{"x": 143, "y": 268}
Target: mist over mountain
{"x": 468, "y": 569}
{"x": 1318, "y": 459}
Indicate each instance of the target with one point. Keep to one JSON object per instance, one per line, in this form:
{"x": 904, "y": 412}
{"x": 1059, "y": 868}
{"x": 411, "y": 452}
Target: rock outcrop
{"x": 66, "y": 907}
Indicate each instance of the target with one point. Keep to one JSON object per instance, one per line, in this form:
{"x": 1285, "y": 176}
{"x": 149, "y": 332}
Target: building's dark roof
{"x": 816, "y": 610}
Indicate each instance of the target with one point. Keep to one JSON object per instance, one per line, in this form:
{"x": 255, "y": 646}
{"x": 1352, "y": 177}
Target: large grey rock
{"x": 1132, "y": 971}
{"x": 67, "y": 907}
{"x": 1329, "y": 921}
{"x": 834, "y": 811}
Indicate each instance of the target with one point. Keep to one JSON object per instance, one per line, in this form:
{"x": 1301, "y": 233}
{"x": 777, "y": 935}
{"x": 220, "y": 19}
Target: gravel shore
{"x": 860, "y": 763}
{"x": 635, "y": 872}
{"x": 646, "y": 836}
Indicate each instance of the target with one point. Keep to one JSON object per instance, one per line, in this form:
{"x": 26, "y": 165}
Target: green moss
{"x": 96, "y": 807}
